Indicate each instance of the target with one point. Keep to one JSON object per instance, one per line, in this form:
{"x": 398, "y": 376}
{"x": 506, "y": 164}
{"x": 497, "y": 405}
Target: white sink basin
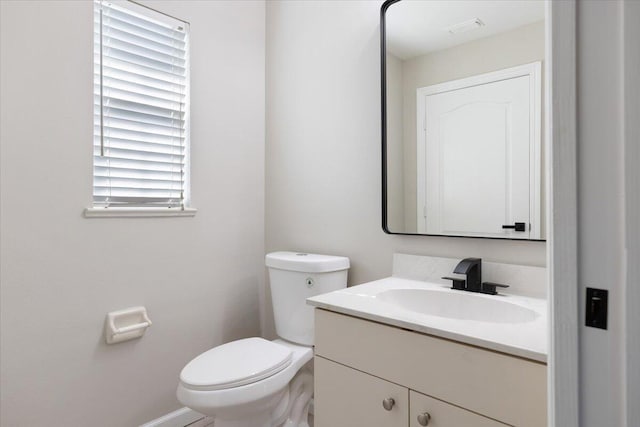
{"x": 458, "y": 305}
{"x": 508, "y": 323}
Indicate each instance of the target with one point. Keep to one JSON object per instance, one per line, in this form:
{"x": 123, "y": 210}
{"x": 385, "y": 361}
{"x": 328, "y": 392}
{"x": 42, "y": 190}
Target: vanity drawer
{"x": 499, "y": 386}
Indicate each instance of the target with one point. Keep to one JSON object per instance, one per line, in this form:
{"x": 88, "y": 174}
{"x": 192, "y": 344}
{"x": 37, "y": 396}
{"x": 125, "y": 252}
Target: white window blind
{"x": 141, "y": 94}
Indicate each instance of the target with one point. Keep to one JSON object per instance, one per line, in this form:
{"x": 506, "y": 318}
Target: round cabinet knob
{"x": 424, "y": 418}
{"x": 388, "y": 403}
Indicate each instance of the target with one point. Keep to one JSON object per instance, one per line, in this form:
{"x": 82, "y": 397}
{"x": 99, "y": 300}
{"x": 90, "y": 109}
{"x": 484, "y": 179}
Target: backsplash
{"x": 522, "y": 279}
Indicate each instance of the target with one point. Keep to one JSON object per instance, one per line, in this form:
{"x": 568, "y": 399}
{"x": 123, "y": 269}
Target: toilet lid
{"x": 236, "y": 363}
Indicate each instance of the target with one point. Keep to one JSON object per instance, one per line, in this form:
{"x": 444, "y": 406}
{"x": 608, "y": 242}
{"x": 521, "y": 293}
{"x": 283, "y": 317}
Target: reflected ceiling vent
{"x": 465, "y": 26}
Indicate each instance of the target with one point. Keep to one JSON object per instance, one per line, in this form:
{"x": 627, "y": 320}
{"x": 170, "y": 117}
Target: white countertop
{"x": 525, "y": 339}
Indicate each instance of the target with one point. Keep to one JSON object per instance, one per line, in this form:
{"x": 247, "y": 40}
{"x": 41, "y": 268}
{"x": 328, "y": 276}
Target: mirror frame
{"x": 383, "y": 96}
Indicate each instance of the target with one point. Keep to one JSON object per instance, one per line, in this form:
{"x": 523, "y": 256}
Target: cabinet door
{"x": 444, "y": 415}
{"x": 345, "y": 397}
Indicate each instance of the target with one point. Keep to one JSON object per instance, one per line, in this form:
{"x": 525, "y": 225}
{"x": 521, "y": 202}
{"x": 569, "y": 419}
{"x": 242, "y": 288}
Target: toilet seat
{"x": 247, "y": 397}
{"x": 236, "y": 364}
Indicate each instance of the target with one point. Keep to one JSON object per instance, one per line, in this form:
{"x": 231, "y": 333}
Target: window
{"x": 141, "y": 110}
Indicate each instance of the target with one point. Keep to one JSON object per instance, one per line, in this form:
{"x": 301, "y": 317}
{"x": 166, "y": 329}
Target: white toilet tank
{"x": 294, "y": 277}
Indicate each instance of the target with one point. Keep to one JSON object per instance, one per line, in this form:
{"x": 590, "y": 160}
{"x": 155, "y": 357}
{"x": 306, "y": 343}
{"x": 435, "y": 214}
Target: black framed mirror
{"x": 462, "y": 118}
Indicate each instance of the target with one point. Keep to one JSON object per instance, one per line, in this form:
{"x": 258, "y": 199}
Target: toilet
{"x": 254, "y": 382}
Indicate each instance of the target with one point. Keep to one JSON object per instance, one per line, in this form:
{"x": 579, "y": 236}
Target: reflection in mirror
{"x": 462, "y": 118}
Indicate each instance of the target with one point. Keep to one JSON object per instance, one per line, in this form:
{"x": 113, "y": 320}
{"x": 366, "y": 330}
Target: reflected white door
{"x": 476, "y": 160}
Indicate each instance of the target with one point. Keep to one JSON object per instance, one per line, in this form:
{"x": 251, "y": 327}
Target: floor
{"x": 208, "y": 422}
{"x": 203, "y": 422}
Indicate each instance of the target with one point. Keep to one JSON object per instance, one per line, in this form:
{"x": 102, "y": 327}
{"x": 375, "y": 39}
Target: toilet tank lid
{"x": 307, "y": 263}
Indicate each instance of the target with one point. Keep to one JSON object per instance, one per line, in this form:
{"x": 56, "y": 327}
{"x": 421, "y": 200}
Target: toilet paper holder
{"x": 127, "y": 324}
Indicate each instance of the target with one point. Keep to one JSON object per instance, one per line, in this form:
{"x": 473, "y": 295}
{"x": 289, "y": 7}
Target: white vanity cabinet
{"x": 360, "y": 363}
{"x": 346, "y": 397}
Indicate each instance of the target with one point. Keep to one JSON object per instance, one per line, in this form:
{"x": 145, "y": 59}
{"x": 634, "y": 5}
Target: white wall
{"x": 323, "y": 149}
{"x": 200, "y": 278}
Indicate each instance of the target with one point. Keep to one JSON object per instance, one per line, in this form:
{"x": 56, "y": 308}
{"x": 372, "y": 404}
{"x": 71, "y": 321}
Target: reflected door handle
{"x": 518, "y": 226}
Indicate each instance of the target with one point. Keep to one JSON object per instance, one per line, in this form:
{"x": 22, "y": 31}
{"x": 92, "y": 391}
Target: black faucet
{"x": 472, "y": 268}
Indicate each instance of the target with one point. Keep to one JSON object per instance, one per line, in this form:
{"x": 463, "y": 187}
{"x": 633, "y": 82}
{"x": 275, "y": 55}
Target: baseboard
{"x": 184, "y": 417}
{"x": 179, "y": 418}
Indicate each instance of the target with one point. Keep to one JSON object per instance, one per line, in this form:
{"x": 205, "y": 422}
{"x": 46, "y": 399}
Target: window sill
{"x": 137, "y": 212}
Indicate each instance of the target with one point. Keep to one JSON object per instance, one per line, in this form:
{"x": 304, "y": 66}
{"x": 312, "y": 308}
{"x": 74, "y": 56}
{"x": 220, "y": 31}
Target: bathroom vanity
{"x": 379, "y": 361}
{"x": 359, "y": 370}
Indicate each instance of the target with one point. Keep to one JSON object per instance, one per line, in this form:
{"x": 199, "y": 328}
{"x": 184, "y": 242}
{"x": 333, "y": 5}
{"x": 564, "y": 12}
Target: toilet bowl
{"x": 254, "y": 382}
{"x": 254, "y": 385}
